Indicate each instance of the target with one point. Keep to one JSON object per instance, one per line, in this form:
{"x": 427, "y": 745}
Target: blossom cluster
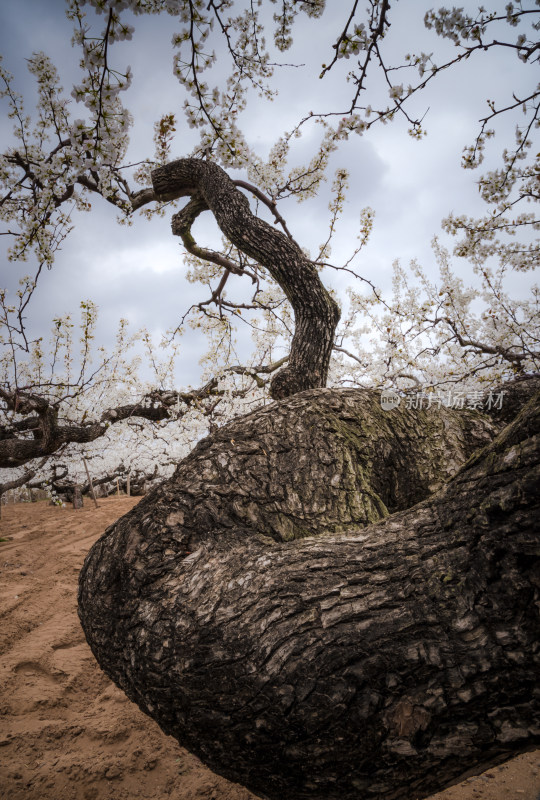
{"x": 437, "y": 333}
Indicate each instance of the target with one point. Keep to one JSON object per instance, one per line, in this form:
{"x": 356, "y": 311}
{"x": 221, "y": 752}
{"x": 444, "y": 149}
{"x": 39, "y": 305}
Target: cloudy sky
{"x": 138, "y": 272}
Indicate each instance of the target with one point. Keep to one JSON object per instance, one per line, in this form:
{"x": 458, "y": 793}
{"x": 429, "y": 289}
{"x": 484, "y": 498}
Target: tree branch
{"x": 316, "y": 313}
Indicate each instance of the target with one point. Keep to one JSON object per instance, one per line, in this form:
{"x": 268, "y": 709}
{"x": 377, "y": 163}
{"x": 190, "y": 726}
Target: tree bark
{"x": 317, "y": 609}
{"x": 78, "y": 501}
{"x": 316, "y": 313}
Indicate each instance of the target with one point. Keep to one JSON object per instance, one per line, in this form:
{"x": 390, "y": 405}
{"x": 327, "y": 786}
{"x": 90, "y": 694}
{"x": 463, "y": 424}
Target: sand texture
{"x": 66, "y": 732}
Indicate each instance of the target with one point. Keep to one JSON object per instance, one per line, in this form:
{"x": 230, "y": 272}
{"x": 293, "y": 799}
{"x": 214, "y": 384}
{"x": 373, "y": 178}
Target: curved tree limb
{"x": 269, "y": 610}
{"x": 316, "y": 312}
{"x": 181, "y": 226}
{"x": 40, "y": 433}
{"x": 482, "y": 347}
{"x": 48, "y": 434}
{"x": 21, "y": 480}
{"x": 141, "y": 198}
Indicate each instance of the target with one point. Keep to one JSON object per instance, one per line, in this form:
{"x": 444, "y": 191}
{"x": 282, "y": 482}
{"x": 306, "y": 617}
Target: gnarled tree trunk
{"x": 328, "y": 600}
{"x": 315, "y": 607}
{"x": 316, "y": 313}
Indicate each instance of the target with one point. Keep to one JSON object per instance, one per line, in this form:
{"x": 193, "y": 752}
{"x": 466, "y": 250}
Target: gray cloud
{"x": 137, "y": 272}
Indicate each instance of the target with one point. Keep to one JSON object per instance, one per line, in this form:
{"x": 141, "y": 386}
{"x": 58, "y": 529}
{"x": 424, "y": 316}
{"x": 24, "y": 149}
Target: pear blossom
{"x": 74, "y": 145}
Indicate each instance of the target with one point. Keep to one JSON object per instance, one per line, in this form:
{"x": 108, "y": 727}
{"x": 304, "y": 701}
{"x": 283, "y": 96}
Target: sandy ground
{"x": 66, "y": 732}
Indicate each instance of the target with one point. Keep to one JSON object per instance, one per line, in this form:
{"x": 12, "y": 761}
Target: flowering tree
{"x": 60, "y": 163}
{"x": 60, "y": 399}
{"x": 398, "y": 649}
{"x": 439, "y": 335}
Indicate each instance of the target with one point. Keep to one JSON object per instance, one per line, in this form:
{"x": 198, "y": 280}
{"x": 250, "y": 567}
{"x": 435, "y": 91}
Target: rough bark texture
{"x": 316, "y": 313}
{"x": 243, "y": 605}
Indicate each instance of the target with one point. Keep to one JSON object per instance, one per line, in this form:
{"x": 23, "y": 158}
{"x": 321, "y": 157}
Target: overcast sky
{"x": 138, "y": 272}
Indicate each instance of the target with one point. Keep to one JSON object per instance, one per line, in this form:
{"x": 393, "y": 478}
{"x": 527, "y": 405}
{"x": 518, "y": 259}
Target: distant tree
{"x": 439, "y": 334}
{"x": 68, "y": 394}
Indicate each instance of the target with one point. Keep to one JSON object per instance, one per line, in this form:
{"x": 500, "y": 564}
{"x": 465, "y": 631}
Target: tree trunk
{"x": 316, "y": 313}
{"x": 77, "y": 500}
{"x": 90, "y": 484}
{"x": 313, "y": 608}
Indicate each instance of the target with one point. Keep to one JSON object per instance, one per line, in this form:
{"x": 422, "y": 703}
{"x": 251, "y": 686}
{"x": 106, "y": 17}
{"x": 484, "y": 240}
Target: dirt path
{"x": 66, "y": 732}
